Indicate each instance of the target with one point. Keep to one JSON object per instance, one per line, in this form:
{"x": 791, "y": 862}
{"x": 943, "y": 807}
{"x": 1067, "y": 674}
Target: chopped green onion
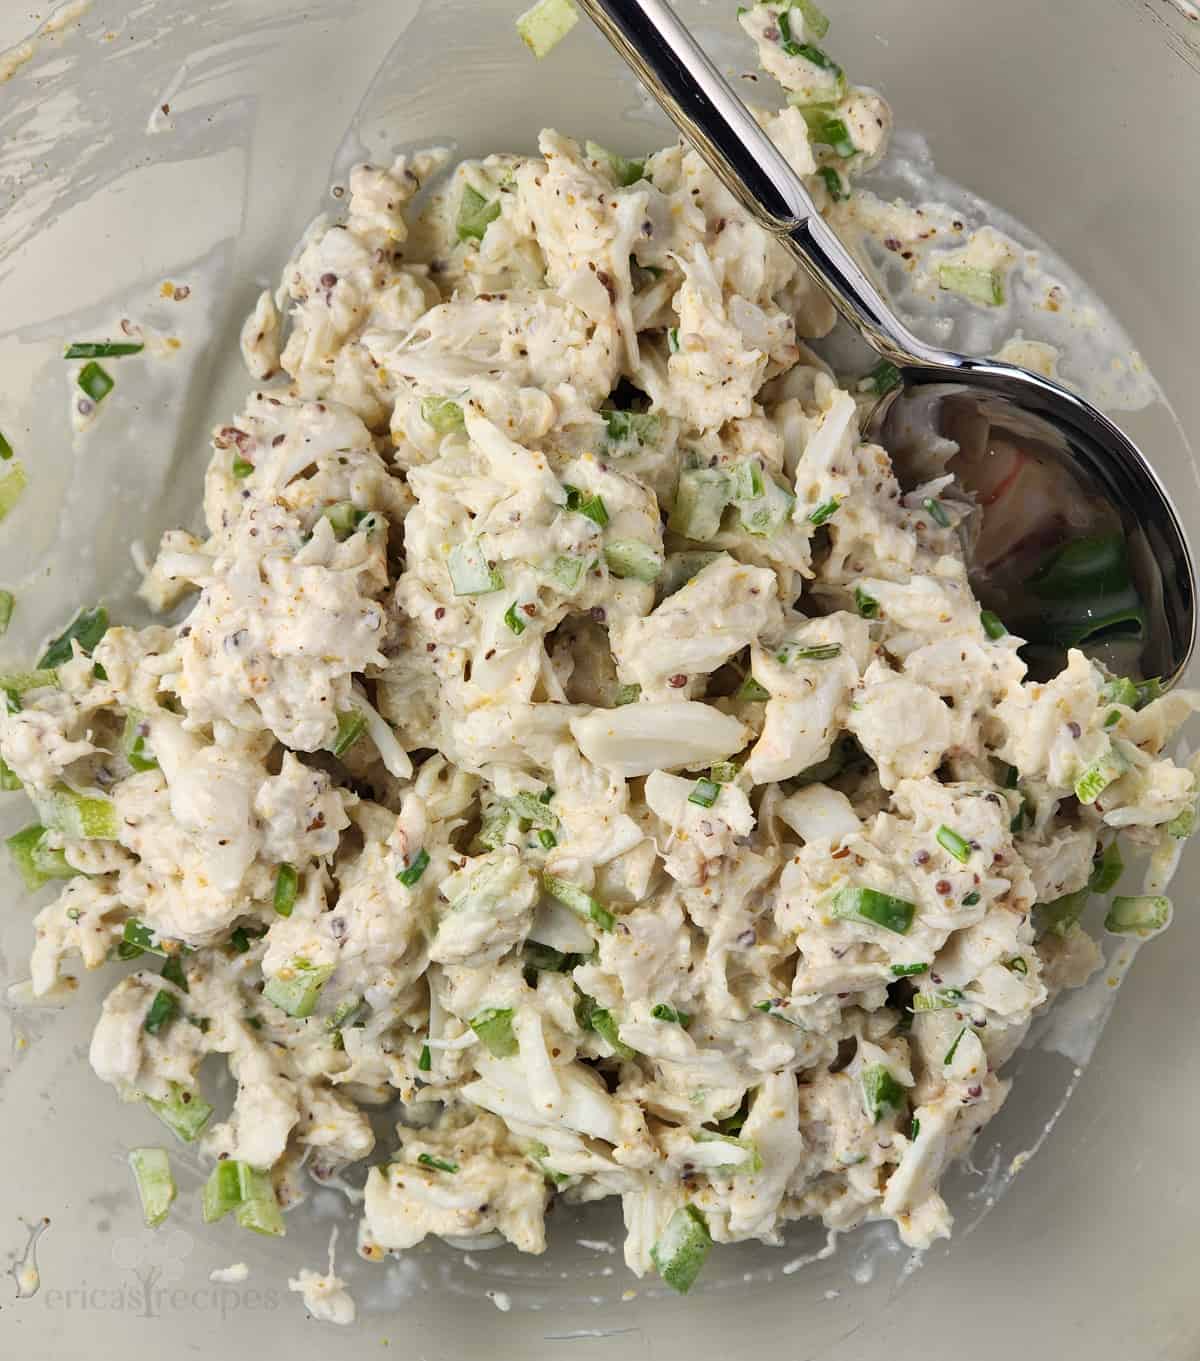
{"x": 1017, "y": 965}
{"x": 937, "y": 999}
{"x": 443, "y": 416}
{"x": 724, "y": 772}
{"x": 513, "y": 619}
{"x": 835, "y": 185}
{"x": 101, "y": 349}
{"x": 624, "y": 170}
{"x": 8, "y": 780}
{"x": 993, "y": 625}
{"x": 7, "y": 603}
{"x": 1107, "y": 868}
{"x": 546, "y": 24}
{"x": 1099, "y": 775}
{"x": 907, "y": 970}
{"x": 133, "y": 743}
{"x": 700, "y": 501}
{"x": 1145, "y": 914}
{"x": 76, "y": 815}
{"x": 603, "y": 1023}
{"x": 534, "y": 808}
{"x": 826, "y": 129}
{"x": 470, "y": 571}
{"x": 420, "y": 863}
{"x": 825, "y": 511}
{"x": 971, "y": 899}
{"x": 547, "y": 838}
{"x": 538, "y": 1153}
{"x": 747, "y": 482}
{"x": 959, "y": 847}
{"x": 87, "y": 628}
{"x": 868, "y": 904}
{"x": 914, "y": 1129}
{"x": 631, "y": 427}
{"x": 474, "y": 214}
{"x": 241, "y": 936}
{"x": 752, "y": 691}
{"x": 259, "y": 1209}
{"x": 287, "y": 883}
{"x": 633, "y": 558}
{"x": 34, "y": 861}
{"x": 495, "y": 1030}
{"x": 140, "y": 937}
{"x": 682, "y": 1248}
{"x": 151, "y": 1170}
{"x": 627, "y": 694}
{"x": 704, "y": 793}
{"x": 882, "y": 1094}
{"x": 673, "y": 340}
{"x": 172, "y": 971}
{"x": 345, "y": 517}
{"x": 867, "y": 605}
{"x": 587, "y": 503}
{"x": 766, "y": 511}
{"x": 936, "y": 512}
{"x": 885, "y": 375}
{"x": 954, "y": 1047}
{"x": 6, "y": 449}
{"x": 162, "y": 1011}
{"x": 296, "y": 989}
{"x": 183, "y": 1111}
{"x": 241, "y": 467}
{"x": 984, "y": 286}
{"x": 438, "y": 1164}
{"x": 1061, "y": 915}
{"x": 425, "y": 1059}
{"x": 1112, "y": 718}
{"x": 579, "y": 901}
{"x": 662, "y": 1012}
{"x": 817, "y": 652}
{"x": 350, "y": 727}
{"x": 1119, "y": 690}
{"x": 12, "y": 484}
{"x": 222, "y": 1190}
{"x": 95, "y": 381}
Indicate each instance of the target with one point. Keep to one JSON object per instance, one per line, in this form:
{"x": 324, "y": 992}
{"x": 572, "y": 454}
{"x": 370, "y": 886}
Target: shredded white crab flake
{"x": 575, "y": 732}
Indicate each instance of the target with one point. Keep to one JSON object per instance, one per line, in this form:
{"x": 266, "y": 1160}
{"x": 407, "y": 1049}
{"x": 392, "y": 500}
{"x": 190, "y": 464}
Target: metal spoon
{"x": 1058, "y": 422}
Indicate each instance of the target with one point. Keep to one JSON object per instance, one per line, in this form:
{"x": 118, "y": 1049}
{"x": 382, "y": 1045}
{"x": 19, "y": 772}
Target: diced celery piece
{"x": 682, "y": 1248}
{"x": 625, "y": 171}
{"x": 1099, "y": 775}
{"x": 75, "y": 815}
{"x": 1061, "y": 914}
{"x": 184, "y": 1112}
{"x": 546, "y": 24}
{"x": 600, "y": 1020}
{"x": 34, "y": 861}
{"x": 350, "y": 727}
{"x": 825, "y": 128}
{"x": 1107, "y": 869}
{"x": 470, "y": 572}
{"x": 287, "y": 884}
{"x": 21, "y": 682}
{"x": 579, "y": 901}
{"x": 985, "y": 286}
{"x": 474, "y": 214}
{"x": 156, "y": 1186}
{"x": 259, "y": 1209}
{"x": 680, "y": 568}
{"x": 567, "y": 572}
{"x": 296, "y": 989}
{"x": 495, "y": 1030}
{"x": 744, "y": 1159}
{"x": 816, "y": 23}
{"x": 133, "y": 743}
{"x": 764, "y": 507}
{"x": 1183, "y": 824}
{"x": 222, "y": 1190}
{"x": 442, "y": 415}
{"x": 1142, "y": 914}
{"x": 633, "y": 558}
{"x": 628, "y": 430}
{"x": 12, "y": 484}
{"x": 937, "y": 999}
{"x": 345, "y": 517}
{"x": 700, "y": 501}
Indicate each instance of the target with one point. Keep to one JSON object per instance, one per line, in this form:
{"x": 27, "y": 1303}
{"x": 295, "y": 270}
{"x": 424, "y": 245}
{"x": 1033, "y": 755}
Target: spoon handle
{"x": 705, "y": 108}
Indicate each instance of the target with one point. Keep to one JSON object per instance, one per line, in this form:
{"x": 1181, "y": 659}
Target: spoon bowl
{"x": 1095, "y": 460}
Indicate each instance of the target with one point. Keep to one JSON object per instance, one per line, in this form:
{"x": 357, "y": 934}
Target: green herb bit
{"x": 474, "y": 214}
{"x": 9, "y": 783}
{"x": 937, "y": 999}
{"x": 350, "y": 727}
{"x": 914, "y": 1129}
{"x": 867, "y": 605}
{"x": 1183, "y": 824}
{"x": 662, "y": 1012}
{"x": 183, "y": 1111}
{"x": 1018, "y": 965}
{"x": 513, "y": 619}
{"x": 993, "y": 625}
{"x": 882, "y": 1094}
{"x": 151, "y": 1170}
{"x": 547, "y": 838}
{"x": 957, "y": 846}
{"x": 984, "y": 286}
{"x": 162, "y": 1011}
{"x": 885, "y": 375}
{"x": 870, "y": 905}
{"x": 12, "y": 484}
{"x": 825, "y": 511}
{"x": 705, "y": 793}
{"x": 603, "y": 1023}
{"x": 972, "y": 898}
{"x": 494, "y": 1027}
{"x": 172, "y": 971}
{"x": 1140, "y": 914}
{"x": 836, "y": 187}
{"x": 949, "y": 1059}
{"x": 818, "y": 652}
{"x": 1107, "y": 868}
{"x": 752, "y": 691}
{"x": 287, "y": 884}
{"x": 241, "y": 467}
{"x": 908, "y": 970}
{"x": 102, "y": 349}
{"x": 420, "y": 863}
{"x": 587, "y": 503}
{"x": 680, "y": 1252}
{"x": 437, "y": 1164}
{"x": 425, "y": 1059}
{"x": 443, "y": 416}
{"x": 6, "y": 449}
{"x": 936, "y": 512}
{"x": 95, "y": 381}
{"x": 7, "y": 603}
{"x": 87, "y": 628}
